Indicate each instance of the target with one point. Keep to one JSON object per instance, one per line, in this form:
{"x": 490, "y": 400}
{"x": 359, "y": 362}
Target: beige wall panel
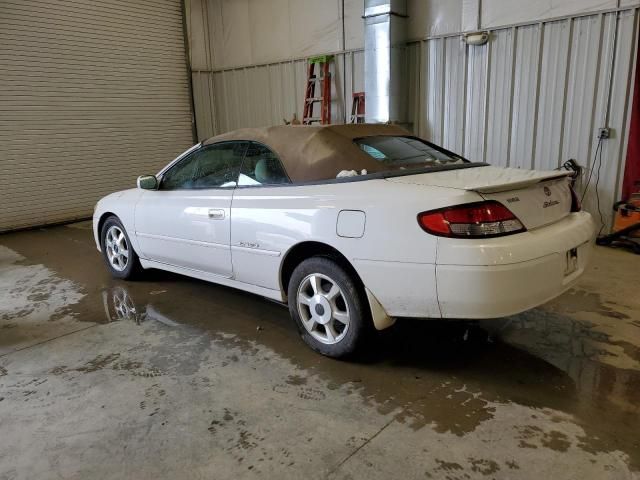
{"x": 250, "y": 32}
{"x": 433, "y": 17}
{"x": 232, "y": 35}
{"x": 353, "y": 24}
{"x": 315, "y": 27}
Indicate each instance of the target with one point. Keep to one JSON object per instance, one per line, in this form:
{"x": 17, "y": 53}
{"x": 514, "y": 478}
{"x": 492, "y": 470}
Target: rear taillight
{"x": 576, "y": 205}
{"x": 471, "y": 220}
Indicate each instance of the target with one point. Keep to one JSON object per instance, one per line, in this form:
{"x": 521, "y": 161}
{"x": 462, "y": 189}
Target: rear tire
{"x": 328, "y": 307}
{"x": 117, "y": 251}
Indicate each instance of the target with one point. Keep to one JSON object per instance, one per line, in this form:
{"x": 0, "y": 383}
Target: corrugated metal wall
{"x": 267, "y": 94}
{"x": 91, "y": 96}
{"x": 533, "y": 97}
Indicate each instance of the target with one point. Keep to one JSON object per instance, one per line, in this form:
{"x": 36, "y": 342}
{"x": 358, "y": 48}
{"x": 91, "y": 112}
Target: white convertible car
{"x": 353, "y": 226}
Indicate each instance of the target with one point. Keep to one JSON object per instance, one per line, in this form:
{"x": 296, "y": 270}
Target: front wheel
{"x": 328, "y": 307}
{"x": 117, "y": 251}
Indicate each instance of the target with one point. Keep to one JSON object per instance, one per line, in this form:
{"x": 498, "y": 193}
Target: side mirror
{"x": 148, "y": 182}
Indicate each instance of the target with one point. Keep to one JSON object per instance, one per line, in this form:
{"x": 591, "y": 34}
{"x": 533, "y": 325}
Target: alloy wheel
{"x": 323, "y": 308}
{"x": 117, "y": 248}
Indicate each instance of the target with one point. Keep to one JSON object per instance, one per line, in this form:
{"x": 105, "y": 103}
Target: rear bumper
{"x": 513, "y": 273}
{"x": 482, "y": 279}
{"x": 478, "y": 292}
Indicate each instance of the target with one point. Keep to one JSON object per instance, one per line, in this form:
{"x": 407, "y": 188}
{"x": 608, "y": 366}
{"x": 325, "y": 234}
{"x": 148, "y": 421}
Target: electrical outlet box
{"x": 604, "y": 133}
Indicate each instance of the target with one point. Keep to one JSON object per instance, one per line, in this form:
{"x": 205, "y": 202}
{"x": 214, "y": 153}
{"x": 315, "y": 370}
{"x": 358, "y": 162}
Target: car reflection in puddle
{"x": 120, "y": 305}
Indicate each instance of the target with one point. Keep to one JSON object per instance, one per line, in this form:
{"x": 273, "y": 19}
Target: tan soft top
{"x": 313, "y": 153}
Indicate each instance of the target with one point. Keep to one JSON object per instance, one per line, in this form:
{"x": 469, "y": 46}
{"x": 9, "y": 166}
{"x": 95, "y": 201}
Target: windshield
{"x": 406, "y": 152}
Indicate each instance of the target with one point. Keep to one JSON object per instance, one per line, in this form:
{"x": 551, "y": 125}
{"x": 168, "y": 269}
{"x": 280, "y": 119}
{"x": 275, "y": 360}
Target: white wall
{"x": 265, "y": 95}
{"x": 429, "y": 18}
{"x": 232, "y": 33}
{"x": 504, "y": 12}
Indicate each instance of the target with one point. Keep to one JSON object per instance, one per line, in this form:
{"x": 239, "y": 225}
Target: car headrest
{"x": 262, "y": 171}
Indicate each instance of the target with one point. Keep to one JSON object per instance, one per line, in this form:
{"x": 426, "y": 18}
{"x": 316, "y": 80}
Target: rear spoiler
{"x": 516, "y": 185}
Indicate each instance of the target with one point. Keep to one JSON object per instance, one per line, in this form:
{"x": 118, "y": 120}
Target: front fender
{"x": 122, "y": 205}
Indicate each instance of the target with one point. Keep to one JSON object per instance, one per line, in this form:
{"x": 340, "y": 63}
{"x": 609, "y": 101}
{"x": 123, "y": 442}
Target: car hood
{"x": 116, "y": 195}
{"x": 117, "y": 198}
{"x": 483, "y": 179}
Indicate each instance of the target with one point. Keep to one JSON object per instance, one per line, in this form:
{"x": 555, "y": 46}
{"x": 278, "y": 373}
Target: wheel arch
{"x": 307, "y": 249}
{"x": 102, "y": 219}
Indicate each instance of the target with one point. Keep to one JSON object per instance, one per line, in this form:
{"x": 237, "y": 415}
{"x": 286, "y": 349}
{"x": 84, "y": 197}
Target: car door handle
{"x": 215, "y": 214}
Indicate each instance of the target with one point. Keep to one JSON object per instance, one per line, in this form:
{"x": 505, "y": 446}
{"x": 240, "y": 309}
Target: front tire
{"x": 328, "y": 307}
{"x": 117, "y": 251}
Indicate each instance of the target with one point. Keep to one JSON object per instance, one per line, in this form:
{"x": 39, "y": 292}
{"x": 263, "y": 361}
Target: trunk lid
{"x": 537, "y": 198}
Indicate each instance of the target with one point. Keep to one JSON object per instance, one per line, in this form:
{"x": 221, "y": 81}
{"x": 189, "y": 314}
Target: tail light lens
{"x": 471, "y": 220}
{"x": 576, "y": 205}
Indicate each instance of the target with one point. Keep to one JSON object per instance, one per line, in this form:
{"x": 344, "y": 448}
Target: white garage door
{"x": 92, "y": 94}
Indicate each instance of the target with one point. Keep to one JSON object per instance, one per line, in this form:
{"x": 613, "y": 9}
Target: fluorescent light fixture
{"x": 476, "y": 38}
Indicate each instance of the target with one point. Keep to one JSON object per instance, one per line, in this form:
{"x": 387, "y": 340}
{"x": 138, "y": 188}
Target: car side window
{"x": 261, "y": 167}
{"x": 180, "y": 175}
{"x": 216, "y": 166}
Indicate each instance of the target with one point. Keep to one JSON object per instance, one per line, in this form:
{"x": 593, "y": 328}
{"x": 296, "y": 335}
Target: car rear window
{"x": 406, "y": 152}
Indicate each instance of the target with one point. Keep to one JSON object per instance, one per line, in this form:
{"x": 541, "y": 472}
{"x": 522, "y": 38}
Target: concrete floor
{"x": 175, "y": 378}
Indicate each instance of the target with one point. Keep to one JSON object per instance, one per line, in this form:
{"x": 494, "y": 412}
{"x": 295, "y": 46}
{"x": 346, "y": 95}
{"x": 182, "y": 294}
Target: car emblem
{"x": 547, "y": 191}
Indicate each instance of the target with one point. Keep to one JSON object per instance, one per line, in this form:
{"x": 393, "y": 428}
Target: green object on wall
{"x": 321, "y": 59}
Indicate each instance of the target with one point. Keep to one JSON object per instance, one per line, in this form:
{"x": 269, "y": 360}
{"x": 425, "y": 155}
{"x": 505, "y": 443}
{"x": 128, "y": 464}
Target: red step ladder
{"x": 357, "y": 108}
{"x": 323, "y": 77}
